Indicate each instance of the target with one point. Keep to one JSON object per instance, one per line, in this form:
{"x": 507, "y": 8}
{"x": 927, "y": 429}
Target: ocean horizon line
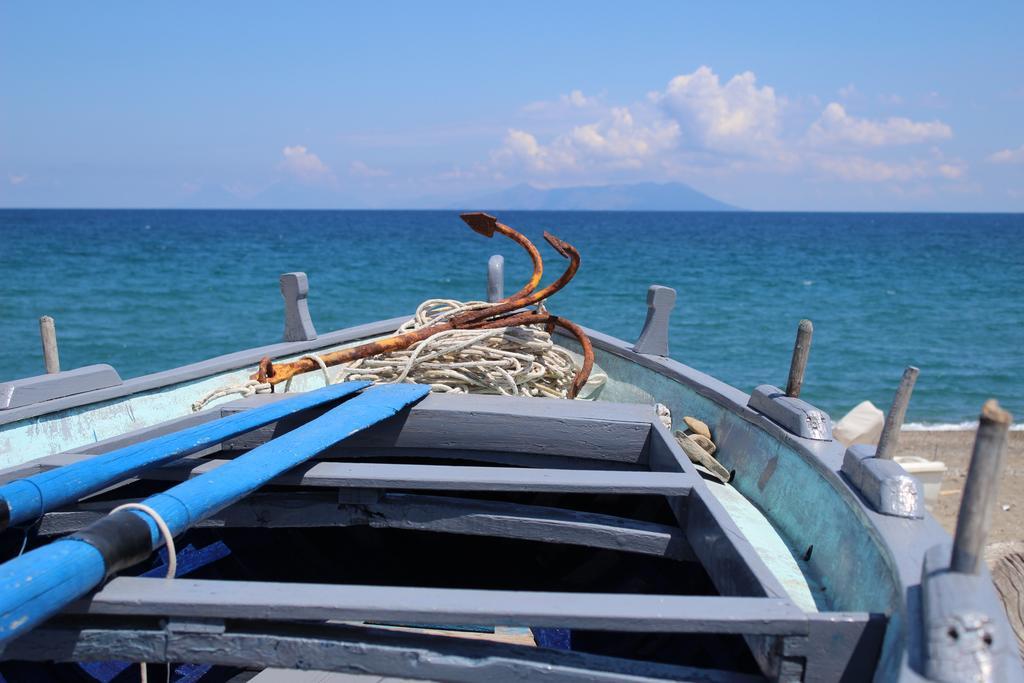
{"x": 781, "y": 212}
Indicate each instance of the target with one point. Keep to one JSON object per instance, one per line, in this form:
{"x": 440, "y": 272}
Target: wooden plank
{"x": 527, "y": 522}
{"x": 336, "y": 647}
{"x": 30, "y": 391}
{"x": 424, "y": 513}
{"x": 299, "y": 601}
{"x": 842, "y": 646}
{"x": 454, "y": 478}
{"x": 588, "y": 429}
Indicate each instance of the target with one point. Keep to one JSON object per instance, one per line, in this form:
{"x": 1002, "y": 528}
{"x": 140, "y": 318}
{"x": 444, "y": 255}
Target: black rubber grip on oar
{"x": 122, "y": 538}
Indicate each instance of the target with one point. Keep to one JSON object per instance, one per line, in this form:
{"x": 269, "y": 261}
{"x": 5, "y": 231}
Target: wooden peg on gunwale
{"x": 897, "y": 413}
{"x": 48, "y": 335}
{"x": 801, "y": 350}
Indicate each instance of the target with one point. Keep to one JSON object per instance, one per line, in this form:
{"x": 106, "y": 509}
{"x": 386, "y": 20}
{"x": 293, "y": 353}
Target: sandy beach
{"x": 954, "y": 449}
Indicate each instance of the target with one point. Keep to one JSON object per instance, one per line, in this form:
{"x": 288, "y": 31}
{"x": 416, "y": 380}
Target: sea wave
{"x": 968, "y": 426}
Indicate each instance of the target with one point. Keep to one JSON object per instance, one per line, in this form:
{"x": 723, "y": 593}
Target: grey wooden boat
{"x": 579, "y": 527}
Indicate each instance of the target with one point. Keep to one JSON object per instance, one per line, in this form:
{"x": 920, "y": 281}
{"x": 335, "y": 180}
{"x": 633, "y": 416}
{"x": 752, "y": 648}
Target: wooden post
{"x": 894, "y": 420}
{"x": 801, "y": 349}
{"x": 496, "y": 278}
{"x": 48, "y": 334}
{"x": 975, "y": 517}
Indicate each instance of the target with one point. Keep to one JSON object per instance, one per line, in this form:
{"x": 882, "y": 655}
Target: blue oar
{"x": 40, "y": 583}
{"x": 28, "y": 499}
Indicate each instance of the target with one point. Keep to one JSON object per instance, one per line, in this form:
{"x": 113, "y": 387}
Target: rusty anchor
{"x": 505, "y": 313}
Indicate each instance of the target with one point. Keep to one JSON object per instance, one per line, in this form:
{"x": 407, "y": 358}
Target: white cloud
{"x": 701, "y": 126}
{"x": 574, "y": 100}
{"x": 617, "y": 141}
{"x": 16, "y": 179}
{"x": 1008, "y": 156}
{"x": 303, "y": 164}
{"x": 577, "y": 99}
{"x": 363, "y": 170}
{"x": 863, "y": 170}
{"x": 523, "y": 148}
{"x": 737, "y": 116}
{"x": 836, "y": 126}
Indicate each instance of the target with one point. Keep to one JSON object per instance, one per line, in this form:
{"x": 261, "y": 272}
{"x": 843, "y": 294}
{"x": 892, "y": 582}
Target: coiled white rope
{"x": 511, "y": 361}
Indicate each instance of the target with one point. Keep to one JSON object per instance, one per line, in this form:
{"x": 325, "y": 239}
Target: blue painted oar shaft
{"x": 40, "y": 583}
{"x": 196, "y": 499}
{"x": 30, "y": 498}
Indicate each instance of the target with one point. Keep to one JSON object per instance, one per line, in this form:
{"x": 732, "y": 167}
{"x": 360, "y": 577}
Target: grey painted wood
{"x": 885, "y": 485}
{"x": 48, "y": 337}
{"x": 300, "y": 676}
{"x": 798, "y": 364}
{"x": 579, "y": 429}
{"x": 422, "y": 513}
{"x": 213, "y": 366}
{"x": 967, "y": 636}
{"x": 725, "y": 552}
{"x": 653, "y": 339}
{"x": 453, "y": 478}
{"x": 298, "y": 325}
{"x": 897, "y": 412}
{"x": 474, "y": 456}
{"x": 496, "y": 278}
{"x": 469, "y": 456}
{"x": 33, "y": 391}
{"x": 793, "y": 414}
{"x": 841, "y": 646}
{"x": 337, "y": 647}
{"x": 527, "y": 522}
{"x": 298, "y": 601}
{"x": 975, "y": 516}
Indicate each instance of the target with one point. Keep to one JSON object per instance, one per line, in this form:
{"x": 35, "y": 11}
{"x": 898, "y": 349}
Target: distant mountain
{"x": 635, "y": 197}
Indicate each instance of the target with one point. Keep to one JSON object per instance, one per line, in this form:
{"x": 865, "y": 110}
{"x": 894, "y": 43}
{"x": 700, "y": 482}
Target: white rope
{"x": 165, "y": 531}
{"x": 510, "y": 361}
{"x": 323, "y": 368}
{"x": 172, "y": 561}
{"x": 247, "y": 388}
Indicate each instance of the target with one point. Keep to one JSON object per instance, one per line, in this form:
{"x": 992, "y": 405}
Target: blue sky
{"x": 802, "y": 106}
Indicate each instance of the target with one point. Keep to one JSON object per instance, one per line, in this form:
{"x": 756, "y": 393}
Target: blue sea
{"x": 146, "y": 290}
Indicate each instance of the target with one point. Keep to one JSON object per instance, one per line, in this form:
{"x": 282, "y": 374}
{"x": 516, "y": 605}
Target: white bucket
{"x": 929, "y": 472}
